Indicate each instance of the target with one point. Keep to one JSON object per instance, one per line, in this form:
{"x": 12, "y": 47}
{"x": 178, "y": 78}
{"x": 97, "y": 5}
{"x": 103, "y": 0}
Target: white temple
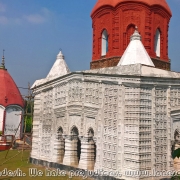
{"x": 123, "y": 119}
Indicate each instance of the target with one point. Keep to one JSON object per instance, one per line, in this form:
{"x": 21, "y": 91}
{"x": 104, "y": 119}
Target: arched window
{"x": 74, "y": 131}
{"x": 59, "y": 133}
{"x": 130, "y": 30}
{"x": 177, "y": 136}
{"x": 90, "y": 132}
{"x": 157, "y": 43}
{"x": 104, "y": 44}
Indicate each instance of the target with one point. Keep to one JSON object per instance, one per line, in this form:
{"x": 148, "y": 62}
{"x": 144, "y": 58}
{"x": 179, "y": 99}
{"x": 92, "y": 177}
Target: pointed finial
{"x": 60, "y": 55}
{"x": 3, "y": 62}
{"x": 136, "y": 35}
{"x": 136, "y": 28}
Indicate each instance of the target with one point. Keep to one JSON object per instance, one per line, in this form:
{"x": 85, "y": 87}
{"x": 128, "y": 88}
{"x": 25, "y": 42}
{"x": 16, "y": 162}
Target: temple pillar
{"x": 87, "y": 159}
{"x": 58, "y": 154}
{"x": 71, "y": 154}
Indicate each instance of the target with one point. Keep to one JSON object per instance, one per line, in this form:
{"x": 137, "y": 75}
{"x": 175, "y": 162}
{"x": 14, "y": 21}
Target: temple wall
{"x": 112, "y": 123}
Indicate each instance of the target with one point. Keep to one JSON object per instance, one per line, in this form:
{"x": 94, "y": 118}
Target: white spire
{"x": 135, "y": 52}
{"x": 59, "y": 68}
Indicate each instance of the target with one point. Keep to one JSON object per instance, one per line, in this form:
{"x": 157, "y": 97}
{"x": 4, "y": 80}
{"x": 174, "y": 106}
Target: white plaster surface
{"x": 59, "y": 68}
{"x": 128, "y": 107}
{"x": 38, "y": 82}
{"x": 12, "y": 120}
{"x": 135, "y": 52}
{"x": 133, "y": 111}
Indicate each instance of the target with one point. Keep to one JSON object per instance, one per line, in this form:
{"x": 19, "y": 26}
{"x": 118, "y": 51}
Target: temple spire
{"x": 3, "y": 61}
{"x": 136, "y": 35}
{"x": 135, "y": 53}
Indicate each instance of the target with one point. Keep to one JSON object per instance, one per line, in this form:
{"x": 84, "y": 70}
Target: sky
{"x": 32, "y": 32}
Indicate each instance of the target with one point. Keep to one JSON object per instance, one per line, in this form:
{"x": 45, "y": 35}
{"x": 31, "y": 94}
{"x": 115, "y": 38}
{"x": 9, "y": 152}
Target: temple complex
{"x": 122, "y": 116}
{"x": 11, "y": 104}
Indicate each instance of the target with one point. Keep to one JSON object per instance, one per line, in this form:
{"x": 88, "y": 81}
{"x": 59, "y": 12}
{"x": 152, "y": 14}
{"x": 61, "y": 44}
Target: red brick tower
{"x": 114, "y": 21}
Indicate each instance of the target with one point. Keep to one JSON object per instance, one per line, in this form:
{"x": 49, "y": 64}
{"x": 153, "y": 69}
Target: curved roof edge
{"x": 114, "y": 3}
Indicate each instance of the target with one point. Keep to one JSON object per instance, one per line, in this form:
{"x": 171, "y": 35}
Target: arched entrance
{"x": 88, "y": 151}
{"x": 72, "y": 148}
{"x": 75, "y": 133}
{"x": 59, "y": 146}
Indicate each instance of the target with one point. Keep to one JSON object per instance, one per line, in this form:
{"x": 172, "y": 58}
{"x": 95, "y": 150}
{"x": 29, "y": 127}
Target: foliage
{"x": 176, "y": 153}
{"x": 0, "y": 133}
{"x": 28, "y": 121}
{"x": 175, "y": 178}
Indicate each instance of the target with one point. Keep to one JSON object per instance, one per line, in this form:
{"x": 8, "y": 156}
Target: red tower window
{"x": 130, "y": 30}
{"x": 157, "y": 43}
{"x": 104, "y": 44}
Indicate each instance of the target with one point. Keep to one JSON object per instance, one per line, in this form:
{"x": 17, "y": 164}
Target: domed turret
{"x": 114, "y": 3}
{"x": 114, "y": 21}
{"x": 11, "y": 104}
{"x": 9, "y": 93}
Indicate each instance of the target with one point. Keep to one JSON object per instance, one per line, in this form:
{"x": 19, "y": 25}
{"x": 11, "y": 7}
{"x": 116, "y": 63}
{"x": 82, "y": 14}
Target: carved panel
{"x": 110, "y": 112}
{"x": 60, "y": 94}
{"x": 160, "y": 129}
{"x": 45, "y": 141}
{"x": 75, "y": 91}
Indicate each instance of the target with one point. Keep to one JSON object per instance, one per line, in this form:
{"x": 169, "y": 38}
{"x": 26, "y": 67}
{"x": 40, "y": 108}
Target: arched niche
{"x": 90, "y": 132}
{"x": 2, "y": 108}
{"x": 157, "y": 43}
{"x": 177, "y": 136}
{"x": 74, "y": 131}
{"x": 88, "y": 156}
{"x": 59, "y": 147}
{"x": 13, "y": 121}
{"x": 129, "y": 32}
{"x": 59, "y": 132}
{"x": 104, "y": 44}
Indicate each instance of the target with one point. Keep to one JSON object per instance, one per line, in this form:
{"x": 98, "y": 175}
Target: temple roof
{"x": 135, "y": 53}
{"x": 114, "y": 3}
{"x": 9, "y": 93}
{"x": 59, "y": 68}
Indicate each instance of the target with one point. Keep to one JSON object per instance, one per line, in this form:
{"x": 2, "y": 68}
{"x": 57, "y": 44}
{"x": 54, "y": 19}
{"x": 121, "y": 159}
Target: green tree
{"x": 28, "y": 118}
{"x": 176, "y": 154}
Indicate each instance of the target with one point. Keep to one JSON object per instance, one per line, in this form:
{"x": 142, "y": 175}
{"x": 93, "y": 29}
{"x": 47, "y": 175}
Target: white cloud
{"x": 38, "y": 18}
{"x": 35, "y": 18}
{"x": 2, "y": 7}
{"x": 4, "y": 20}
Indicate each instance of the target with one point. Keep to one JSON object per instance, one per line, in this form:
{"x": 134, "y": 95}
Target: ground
{"x": 17, "y": 161}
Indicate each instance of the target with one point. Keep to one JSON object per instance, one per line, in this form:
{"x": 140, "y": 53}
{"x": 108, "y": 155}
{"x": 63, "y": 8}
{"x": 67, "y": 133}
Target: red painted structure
{"x": 6, "y": 142}
{"x": 119, "y": 18}
{"x": 10, "y": 98}
{"x": 9, "y": 93}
